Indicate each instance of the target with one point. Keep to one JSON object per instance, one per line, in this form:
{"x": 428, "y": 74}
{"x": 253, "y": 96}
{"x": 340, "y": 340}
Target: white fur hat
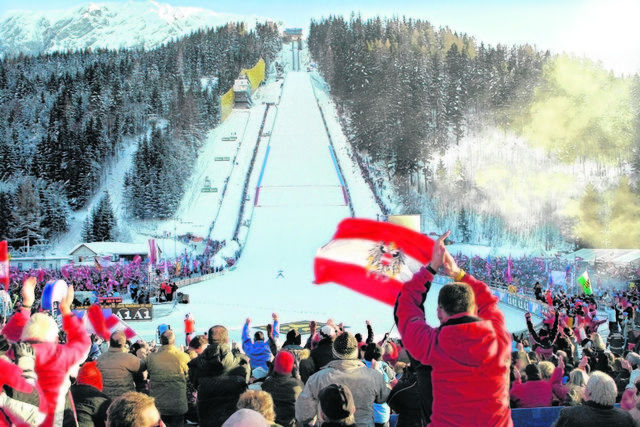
{"x": 41, "y": 328}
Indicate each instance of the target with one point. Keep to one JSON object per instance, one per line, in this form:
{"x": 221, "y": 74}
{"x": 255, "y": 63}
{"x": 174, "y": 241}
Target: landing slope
{"x": 284, "y": 236}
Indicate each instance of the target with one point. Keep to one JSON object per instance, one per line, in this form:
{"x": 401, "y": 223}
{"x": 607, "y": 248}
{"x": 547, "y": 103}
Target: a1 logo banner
{"x": 373, "y": 258}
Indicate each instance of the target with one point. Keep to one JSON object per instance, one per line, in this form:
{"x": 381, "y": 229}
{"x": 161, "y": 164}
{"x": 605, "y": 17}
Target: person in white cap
{"x": 367, "y": 385}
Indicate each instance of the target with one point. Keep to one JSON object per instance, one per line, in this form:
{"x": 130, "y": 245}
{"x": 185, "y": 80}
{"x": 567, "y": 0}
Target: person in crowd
{"x": 134, "y": 409}
{"x": 362, "y": 344}
{"x": 543, "y": 341}
{"x": 220, "y": 376}
{"x": 535, "y": 392}
{"x": 321, "y": 354}
{"x": 367, "y": 385}
{"x": 95, "y": 351}
{"x": 88, "y": 399}
{"x": 258, "y": 375}
{"x": 246, "y": 417}
{"x": 405, "y": 400}
{"x": 261, "y": 402}
{"x": 472, "y": 344}
{"x": 598, "y": 410}
{"x": 293, "y": 340}
{"x": 337, "y": 406}
{"x": 571, "y": 393}
{"x": 284, "y": 388}
{"x": 54, "y": 361}
{"x": 189, "y": 327}
{"x": 140, "y": 349}
{"x": 168, "y": 372}
{"x": 373, "y": 359}
{"x": 258, "y": 350}
{"x": 119, "y": 367}
{"x": 197, "y": 345}
{"x": 18, "y": 381}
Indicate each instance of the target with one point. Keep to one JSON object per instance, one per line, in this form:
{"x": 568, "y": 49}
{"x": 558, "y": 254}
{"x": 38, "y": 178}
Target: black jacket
{"x": 220, "y": 378}
{"x": 91, "y": 405}
{"x": 593, "y": 415}
{"x": 284, "y": 390}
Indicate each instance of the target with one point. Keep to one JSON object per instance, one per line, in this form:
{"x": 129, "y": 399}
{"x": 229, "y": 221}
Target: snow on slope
{"x": 285, "y": 236}
{"x": 135, "y": 24}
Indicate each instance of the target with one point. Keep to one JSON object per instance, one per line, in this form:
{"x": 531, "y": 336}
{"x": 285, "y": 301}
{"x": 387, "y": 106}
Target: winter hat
{"x": 345, "y": 346}
{"x": 283, "y": 363}
{"x": 246, "y": 417}
{"x": 259, "y": 373}
{"x": 89, "y": 374}
{"x": 336, "y": 401}
{"x": 533, "y": 372}
{"x": 40, "y": 328}
{"x": 327, "y": 332}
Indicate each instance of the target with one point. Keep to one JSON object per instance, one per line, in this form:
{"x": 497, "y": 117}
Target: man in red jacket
{"x": 470, "y": 350}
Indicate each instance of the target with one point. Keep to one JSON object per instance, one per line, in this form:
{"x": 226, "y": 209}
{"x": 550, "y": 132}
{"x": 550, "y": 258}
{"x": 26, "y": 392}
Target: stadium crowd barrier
{"x": 519, "y": 301}
{"x": 191, "y": 280}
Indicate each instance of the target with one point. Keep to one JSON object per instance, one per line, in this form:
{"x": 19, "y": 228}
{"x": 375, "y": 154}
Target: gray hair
{"x": 633, "y": 358}
{"x": 602, "y": 389}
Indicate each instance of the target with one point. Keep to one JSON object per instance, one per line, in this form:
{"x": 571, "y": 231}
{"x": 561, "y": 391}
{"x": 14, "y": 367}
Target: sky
{"x": 603, "y": 30}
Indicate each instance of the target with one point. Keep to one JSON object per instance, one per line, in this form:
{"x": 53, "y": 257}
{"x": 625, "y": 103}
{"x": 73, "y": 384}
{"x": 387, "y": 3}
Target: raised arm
{"x": 13, "y": 329}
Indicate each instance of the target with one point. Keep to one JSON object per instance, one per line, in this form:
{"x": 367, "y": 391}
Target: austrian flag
{"x": 373, "y": 258}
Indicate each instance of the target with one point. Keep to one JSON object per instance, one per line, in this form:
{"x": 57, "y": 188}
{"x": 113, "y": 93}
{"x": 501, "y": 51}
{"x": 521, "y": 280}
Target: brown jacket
{"x": 168, "y": 372}
{"x": 117, "y": 368}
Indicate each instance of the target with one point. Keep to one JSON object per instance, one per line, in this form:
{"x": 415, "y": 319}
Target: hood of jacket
{"x": 212, "y": 360}
{"x": 468, "y": 340}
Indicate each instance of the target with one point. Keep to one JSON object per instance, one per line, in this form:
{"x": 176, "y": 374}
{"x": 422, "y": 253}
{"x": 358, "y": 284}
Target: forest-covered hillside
{"x": 501, "y": 144}
{"x": 65, "y": 117}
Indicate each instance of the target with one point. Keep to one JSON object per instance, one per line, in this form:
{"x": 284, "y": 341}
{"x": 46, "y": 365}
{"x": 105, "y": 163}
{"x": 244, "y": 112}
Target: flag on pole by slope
{"x": 153, "y": 252}
{"x": 96, "y": 263}
{"x": 4, "y": 265}
{"x": 371, "y": 257}
{"x": 585, "y": 282}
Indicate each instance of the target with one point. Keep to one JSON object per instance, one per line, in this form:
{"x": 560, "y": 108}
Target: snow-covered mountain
{"x": 135, "y": 24}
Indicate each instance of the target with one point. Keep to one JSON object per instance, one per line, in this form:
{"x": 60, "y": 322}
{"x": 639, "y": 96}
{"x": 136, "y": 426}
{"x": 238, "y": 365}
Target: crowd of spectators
{"x": 467, "y": 369}
{"x": 523, "y": 273}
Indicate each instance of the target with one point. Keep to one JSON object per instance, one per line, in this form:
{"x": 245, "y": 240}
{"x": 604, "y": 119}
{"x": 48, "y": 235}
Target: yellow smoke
{"x": 581, "y": 112}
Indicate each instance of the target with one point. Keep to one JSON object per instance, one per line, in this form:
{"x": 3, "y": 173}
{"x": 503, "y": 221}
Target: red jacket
{"x": 469, "y": 356}
{"x": 53, "y": 361}
{"x": 532, "y": 394}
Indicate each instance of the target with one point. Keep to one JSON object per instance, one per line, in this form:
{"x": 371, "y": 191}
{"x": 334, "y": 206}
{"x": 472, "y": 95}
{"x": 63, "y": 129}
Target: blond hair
{"x": 260, "y": 401}
{"x": 546, "y": 369}
{"x": 598, "y": 344}
{"x": 41, "y": 328}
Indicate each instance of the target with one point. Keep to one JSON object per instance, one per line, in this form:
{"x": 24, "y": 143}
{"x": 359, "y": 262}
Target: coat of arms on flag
{"x": 371, "y": 257}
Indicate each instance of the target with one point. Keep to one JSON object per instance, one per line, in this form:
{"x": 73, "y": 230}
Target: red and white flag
{"x": 373, "y": 258}
{"x": 103, "y": 323}
{"x": 153, "y": 251}
{"x": 4, "y": 265}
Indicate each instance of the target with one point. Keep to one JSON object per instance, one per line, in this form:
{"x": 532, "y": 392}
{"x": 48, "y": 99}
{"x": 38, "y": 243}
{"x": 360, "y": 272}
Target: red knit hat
{"x": 283, "y": 363}
{"x": 89, "y": 374}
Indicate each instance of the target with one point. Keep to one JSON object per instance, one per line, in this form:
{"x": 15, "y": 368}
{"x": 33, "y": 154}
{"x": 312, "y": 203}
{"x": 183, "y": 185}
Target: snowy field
{"x": 285, "y": 233}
